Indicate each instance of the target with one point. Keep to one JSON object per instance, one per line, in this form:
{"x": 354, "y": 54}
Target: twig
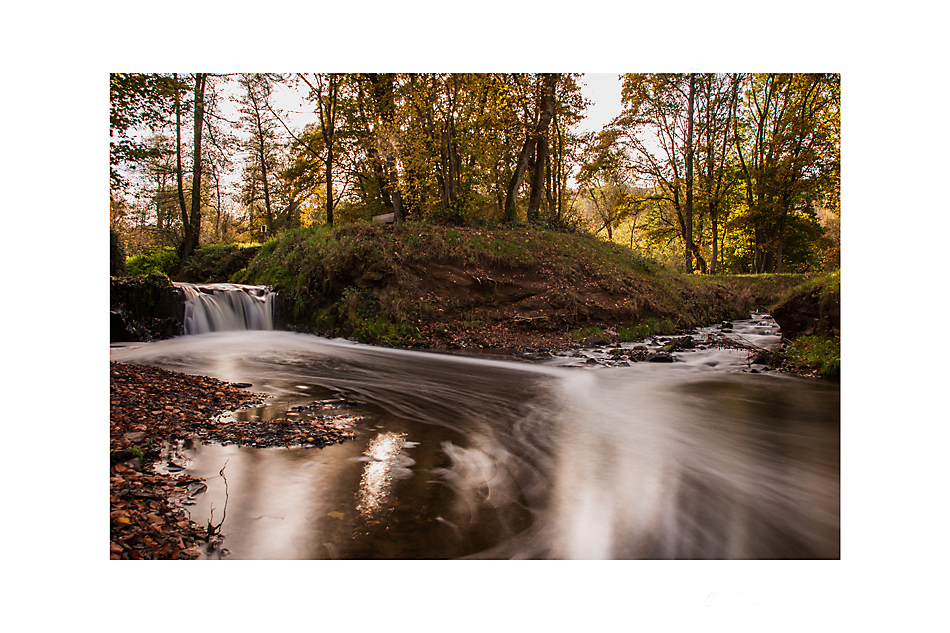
{"x": 216, "y": 529}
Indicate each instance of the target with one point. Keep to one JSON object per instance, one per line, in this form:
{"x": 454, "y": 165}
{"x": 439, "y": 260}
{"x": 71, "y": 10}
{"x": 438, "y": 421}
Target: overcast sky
{"x": 604, "y": 91}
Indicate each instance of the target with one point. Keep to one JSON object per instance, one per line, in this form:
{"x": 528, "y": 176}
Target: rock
{"x": 660, "y": 357}
{"x": 135, "y": 436}
{"x": 684, "y": 342}
{"x": 195, "y": 489}
{"x": 594, "y": 341}
{"x": 638, "y": 355}
{"x": 761, "y": 358}
{"x": 120, "y": 456}
{"x": 539, "y": 356}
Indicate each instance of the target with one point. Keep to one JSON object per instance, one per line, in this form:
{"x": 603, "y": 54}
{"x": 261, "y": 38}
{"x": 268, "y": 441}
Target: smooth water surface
{"x": 462, "y": 457}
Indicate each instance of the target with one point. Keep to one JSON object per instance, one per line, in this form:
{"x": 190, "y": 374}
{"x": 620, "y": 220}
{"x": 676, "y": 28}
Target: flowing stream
{"x": 576, "y": 456}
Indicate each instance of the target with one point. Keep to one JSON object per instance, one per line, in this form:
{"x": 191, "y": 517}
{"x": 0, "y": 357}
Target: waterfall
{"x": 222, "y": 307}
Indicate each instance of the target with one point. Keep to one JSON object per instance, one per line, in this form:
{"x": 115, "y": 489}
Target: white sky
{"x": 604, "y": 91}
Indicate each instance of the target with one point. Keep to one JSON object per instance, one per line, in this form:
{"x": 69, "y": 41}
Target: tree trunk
{"x": 688, "y": 220}
{"x": 179, "y": 172}
{"x": 268, "y": 213}
{"x": 548, "y": 86}
{"x": 715, "y": 240}
{"x": 537, "y": 179}
{"x": 193, "y": 227}
{"x": 329, "y": 177}
{"x": 328, "y": 125}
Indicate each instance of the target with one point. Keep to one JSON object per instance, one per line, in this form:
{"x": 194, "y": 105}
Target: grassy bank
{"x": 810, "y": 317}
{"x": 442, "y": 286}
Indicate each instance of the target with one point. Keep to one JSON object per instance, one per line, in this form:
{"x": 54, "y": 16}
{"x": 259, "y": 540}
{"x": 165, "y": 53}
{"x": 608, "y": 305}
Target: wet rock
{"x": 136, "y": 436}
{"x": 684, "y": 342}
{"x": 762, "y": 357}
{"x": 119, "y": 456}
{"x": 660, "y": 357}
{"x": 594, "y": 341}
{"x": 195, "y": 489}
{"x": 539, "y": 356}
{"x": 638, "y": 355}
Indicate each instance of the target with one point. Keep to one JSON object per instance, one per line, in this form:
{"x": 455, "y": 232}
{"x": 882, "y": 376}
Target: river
{"x": 566, "y": 458}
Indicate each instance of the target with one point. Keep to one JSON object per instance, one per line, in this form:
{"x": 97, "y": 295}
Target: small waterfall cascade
{"x": 225, "y": 307}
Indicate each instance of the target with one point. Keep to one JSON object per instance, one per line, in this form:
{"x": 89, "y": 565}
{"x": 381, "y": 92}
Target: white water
{"x": 227, "y": 307}
{"x": 463, "y": 457}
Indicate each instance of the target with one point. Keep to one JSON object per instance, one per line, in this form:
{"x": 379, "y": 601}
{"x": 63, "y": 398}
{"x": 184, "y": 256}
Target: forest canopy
{"x": 709, "y": 173}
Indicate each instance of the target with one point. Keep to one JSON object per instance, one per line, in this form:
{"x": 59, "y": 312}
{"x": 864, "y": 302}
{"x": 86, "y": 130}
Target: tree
{"x": 656, "y": 128}
{"x": 385, "y": 134}
{"x": 191, "y": 216}
{"x": 261, "y": 143}
{"x": 788, "y": 147}
{"x": 717, "y": 96}
{"x": 136, "y": 101}
{"x": 534, "y": 134}
{"x": 324, "y": 91}
{"x": 602, "y": 179}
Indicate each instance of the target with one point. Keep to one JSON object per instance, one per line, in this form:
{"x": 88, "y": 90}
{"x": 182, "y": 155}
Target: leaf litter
{"x": 151, "y": 408}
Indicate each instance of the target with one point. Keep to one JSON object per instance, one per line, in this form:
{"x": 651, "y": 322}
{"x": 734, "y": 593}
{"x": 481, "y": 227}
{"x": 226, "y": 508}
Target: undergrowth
{"x": 163, "y": 260}
{"x": 818, "y": 354}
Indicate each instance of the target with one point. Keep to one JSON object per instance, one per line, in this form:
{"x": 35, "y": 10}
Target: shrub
{"x": 163, "y": 260}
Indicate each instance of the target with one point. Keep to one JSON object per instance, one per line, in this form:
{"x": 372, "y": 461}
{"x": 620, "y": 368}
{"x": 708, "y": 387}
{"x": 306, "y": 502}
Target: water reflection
{"x": 385, "y": 463}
